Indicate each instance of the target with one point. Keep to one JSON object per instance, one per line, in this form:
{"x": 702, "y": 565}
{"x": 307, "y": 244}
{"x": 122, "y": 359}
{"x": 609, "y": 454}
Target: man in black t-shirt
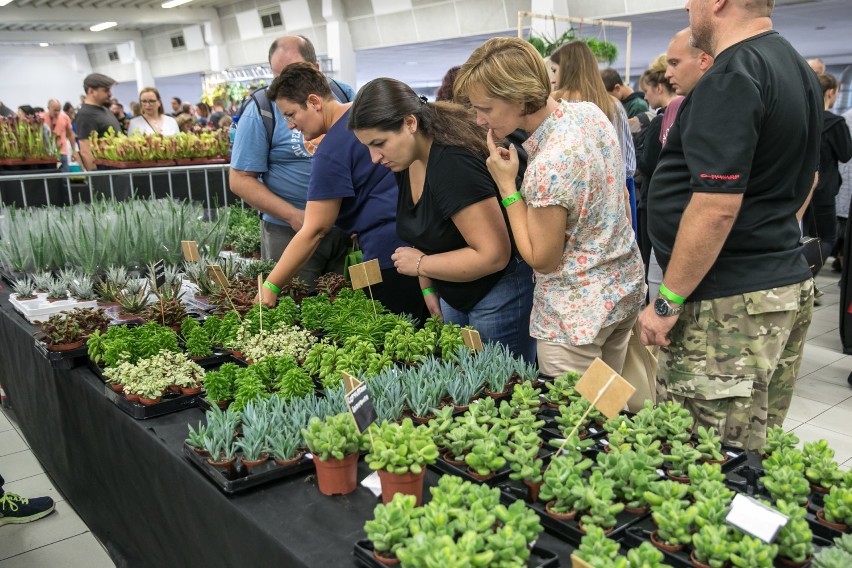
{"x": 737, "y": 167}
{"x": 95, "y": 115}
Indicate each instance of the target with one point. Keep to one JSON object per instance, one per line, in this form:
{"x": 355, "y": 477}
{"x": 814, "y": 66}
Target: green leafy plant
{"x": 786, "y": 484}
{"x": 561, "y": 390}
{"x": 795, "y": 539}
{"x": 681, "y": 456}
{"x": 220, "y": 384}
{"x": 838, "y": 506}
{"x": 709, "y": 444}
{"x": 751, "y": 552}
{"x": 633, "y": 473}
{"x": 294, "y": 383}
{"x": 665, "y": 491}
{"x": 560, "y": 480}
{"x": 24, "y": 288}
{"x": 712, "y": 545}
{"x": 646, "y": 555}
{"x": 198, "y": 343}
{"x": 675, "y": 422}
{"x": 571, "y": 416}
{"x": 602, "y": 508}
{"x": 335, "y": 437}
{"x": 823, "y": 471}
{"x": 391, "y": 524}
{"x": 525, "y": 463}
{"x": 401, "y": 448}
{"x": 526, "y": 397}
{"x": 599, "y": 551}
{"x": 778, "y": 439}
{"x": 485, "y": 458}
{"x": 711, "y": 510}
{"x": 674, "y": 522}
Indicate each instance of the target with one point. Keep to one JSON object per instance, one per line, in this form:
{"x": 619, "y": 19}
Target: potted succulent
{"x": 837, "y": 510}
{"x": 391, "y": 526}
{"x": 778, "y": 439}
{"x": 57, "y": 291}
{"x": 711, "y": 510}
{"x": 253, "y": 444}
{"x": 283, "y": 446}
{"x": 674, "y": 525}
{"x": 709, "y": 445}
{"x": 24, "y": 289}
{"x": 596, "y": 549}
{"x": 795, "y": 539}
{"x": 751, "y": 552}
{"x": 633, "y": 473}
{"x": 334, "y": 443}
{"x": 570, "y": 417}
{"x": 525, "y": 397}
{"x": 602, "y": 509}
{"x": 197, "y": 342}
{"x": 423, "y": 398}
{"x": 561, "y": 390}
{"x": 823, "y": 473}
{"x": 526, "y": 466}
{"x": 462, "y": 388}
{"x": 681, "y": 456}
{"x": 645, "y": 556}
{"x": 400, "y": 453}
{"x": 559, "y": 481}
{"x": 220, "y": 384}
{"x": 485, "y": 459}
{"x": 786, "y": 484}
{"x": 711, "y": 547}
{"x": 675, "y": 422}
{"x": 195, "y": 438}
{"x": 62, "y": 333}
{"x": 664, "y": 491}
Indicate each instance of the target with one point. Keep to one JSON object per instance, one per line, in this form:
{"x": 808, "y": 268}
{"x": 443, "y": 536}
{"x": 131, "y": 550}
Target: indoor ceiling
{"x": 814, "y": 27}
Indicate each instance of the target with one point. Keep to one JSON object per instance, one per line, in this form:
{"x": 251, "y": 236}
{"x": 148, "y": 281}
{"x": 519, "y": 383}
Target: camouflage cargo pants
{"x": 733, "y": 361}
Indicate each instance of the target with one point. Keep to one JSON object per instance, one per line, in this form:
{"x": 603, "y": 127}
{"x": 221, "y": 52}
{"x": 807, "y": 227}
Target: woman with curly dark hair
{"x": 445, "y": 91}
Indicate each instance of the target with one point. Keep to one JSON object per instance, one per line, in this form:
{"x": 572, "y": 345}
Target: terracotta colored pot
{"x": 116, "y": 388}
{"x": 405, "y": 483}
{"x": 819, "y": 489}
{"x": 560, "y": 516}
{"x": 149, "y": 401}
{"x": 697, "y": 563}
{"x": 289, "y": 462}
{"x": 223, "y": 404}
{"x": 787, "y": 562}
{"x": 200, "y": 451}
{"x": 533, "y": 489}
{"x": 190, "y": 391}
{"x": 175, "y": 389}
{"x": 264, "y": 457}
{"x": 636, "y": 510}
{"x": 677, "y": 478}
{"x": 131, "y": 397}
{"x": 664, "y": 545}
{"x": 422, "y": 419}
{"x": 227, "y": 465}
{"x": 720, "y": 462}
{"x": 836, "y": 526}
{"x": 583, "y": 530}
{"x": 337, "y": 477}
{"x": 476, "y": 476}
{"x": 498, "y": 395}
{"x": 387, "y": 561}
{"x": 450, "y": 459}
{"x": 60, "y": 347}
{"x": 458, "y": 408}
{"x": 549, "y": 404}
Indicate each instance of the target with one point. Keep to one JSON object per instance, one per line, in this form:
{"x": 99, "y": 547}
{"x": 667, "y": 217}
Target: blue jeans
{"x": 503, "y": 315}
{"x": 63, "y": 163}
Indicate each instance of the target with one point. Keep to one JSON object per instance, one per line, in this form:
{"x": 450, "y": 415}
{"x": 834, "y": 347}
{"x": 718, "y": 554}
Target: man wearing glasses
{"x": 95, "y": 115}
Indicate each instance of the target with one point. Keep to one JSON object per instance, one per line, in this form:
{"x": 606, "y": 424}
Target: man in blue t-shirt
{"x": 274, "y": 180}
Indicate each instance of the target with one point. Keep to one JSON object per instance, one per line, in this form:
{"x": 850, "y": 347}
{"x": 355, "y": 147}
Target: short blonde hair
{"x": 507, "y": 68}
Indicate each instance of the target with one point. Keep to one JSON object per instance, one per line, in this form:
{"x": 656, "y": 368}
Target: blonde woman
{"x": 152, "y": 120}
{"x": 568, "y": 219}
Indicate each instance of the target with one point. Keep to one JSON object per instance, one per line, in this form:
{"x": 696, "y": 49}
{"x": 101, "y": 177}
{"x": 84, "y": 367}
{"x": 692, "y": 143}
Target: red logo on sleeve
{"x": 730, "y": 177}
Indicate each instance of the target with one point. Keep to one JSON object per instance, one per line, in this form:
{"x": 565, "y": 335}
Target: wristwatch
{"x": 664, "y": 309}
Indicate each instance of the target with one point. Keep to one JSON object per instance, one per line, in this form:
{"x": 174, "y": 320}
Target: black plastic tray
{"x": 243, "y": 480}
{"x": 569, "y": 531}
{"x": 64, "y": 360}
{"x": 539, "y": 557}
{"x": 640, "y": 532}
{"x": 737, "y": 457}
{"x": 171, "y": 402}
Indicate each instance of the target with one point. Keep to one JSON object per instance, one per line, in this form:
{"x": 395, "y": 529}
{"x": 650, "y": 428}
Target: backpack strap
{"x": 267, "y": 115}
{"x": 337, "y": 91}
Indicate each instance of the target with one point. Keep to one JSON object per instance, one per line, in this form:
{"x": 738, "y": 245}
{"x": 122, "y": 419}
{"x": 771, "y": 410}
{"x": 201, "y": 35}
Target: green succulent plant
{"x": 599, "y": 551}
{"x": 485, "y": 457}
{"x": 559, "y": 481}
{"x": 786, "y": 484}
{"x": 646, "y": 555}
{"x": 795, "y": 539}
{"x": 664, "y": 491}
{"x": 751, "y": 552}
{"x": 778, "y": 439}
{"x": 391, "y": 524}
{"x": 709, "y": 444}
{"x": 838, "y": 506}
{"x": 401, "y": 448}
{"x": 712, "y": 544}
{"x": 674, "y": 522}
{"x": 335, "y": 437}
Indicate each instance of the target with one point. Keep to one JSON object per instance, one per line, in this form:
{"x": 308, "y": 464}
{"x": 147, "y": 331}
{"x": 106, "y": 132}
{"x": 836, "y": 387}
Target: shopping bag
{"x": 640, "y": 370}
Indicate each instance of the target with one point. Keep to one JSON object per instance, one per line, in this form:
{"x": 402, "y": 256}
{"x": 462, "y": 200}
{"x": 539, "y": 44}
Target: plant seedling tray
{"x": 501, "y": 476}
{"x": 171, "y": 402}
{"x": 243, "y": 479}
{"x": 64, "y": 360}
{"x": 39, "y": 309}
{"x": 736, "y": 456}
{"x": 641, "y": 531}
{"x": 539, "y": 557}
{"x": 569, "y": 530}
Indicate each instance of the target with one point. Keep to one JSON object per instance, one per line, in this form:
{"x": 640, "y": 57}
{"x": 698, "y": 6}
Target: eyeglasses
{"x": 149, "y": 101}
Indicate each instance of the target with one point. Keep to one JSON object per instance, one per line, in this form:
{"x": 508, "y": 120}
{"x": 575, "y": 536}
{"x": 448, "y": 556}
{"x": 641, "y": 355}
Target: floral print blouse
{"x": 575, "y": 162}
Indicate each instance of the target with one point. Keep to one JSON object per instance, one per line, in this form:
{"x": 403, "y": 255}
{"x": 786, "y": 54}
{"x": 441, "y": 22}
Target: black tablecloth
{"x": 130, "y": 484}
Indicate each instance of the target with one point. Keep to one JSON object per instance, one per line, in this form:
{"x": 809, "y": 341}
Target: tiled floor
{"x": 822, "y": 408}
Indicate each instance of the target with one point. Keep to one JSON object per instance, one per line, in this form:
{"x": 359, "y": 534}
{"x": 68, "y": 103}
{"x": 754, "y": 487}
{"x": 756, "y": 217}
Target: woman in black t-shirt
{"x": 448, "y": 211}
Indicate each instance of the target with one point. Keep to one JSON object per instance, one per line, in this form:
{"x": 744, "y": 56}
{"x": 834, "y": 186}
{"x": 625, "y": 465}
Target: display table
{"x": 149, "y": 506}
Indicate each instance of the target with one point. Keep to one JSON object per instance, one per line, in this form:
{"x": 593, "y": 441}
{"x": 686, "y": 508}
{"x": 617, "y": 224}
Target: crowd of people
{"x": 98, "y": 111}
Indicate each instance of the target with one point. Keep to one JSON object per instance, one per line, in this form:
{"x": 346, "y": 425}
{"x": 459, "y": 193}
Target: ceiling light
{"x": 173, "y": 3}
{"x": 43, "y": 44}
{"x": 4, "y": 2}
{"x": 103, "y": 26}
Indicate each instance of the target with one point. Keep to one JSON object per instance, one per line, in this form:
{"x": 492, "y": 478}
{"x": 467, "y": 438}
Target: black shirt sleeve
{"x": 458, "y": 180}
{"x": 647, "y": 161}
{"x": 721, "y": 135}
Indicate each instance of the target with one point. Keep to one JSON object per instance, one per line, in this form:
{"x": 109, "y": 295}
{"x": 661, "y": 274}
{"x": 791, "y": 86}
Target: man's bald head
{"x": 290, "y": 49}
{"x": 686, "y": 64}
{"x": 818, "y": 65}
{"x": 53, "y": 108}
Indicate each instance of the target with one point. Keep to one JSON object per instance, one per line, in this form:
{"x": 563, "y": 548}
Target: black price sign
{"x": 361, "y": 407}
{"x": 159, "y": 274}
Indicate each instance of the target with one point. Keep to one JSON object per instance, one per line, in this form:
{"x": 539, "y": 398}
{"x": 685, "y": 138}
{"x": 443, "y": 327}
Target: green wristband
{"x": 512, "y": 198}
{"x": 427, "y": 291}
{"x": 272, "y": 287}
{"x": 669, "y": 295}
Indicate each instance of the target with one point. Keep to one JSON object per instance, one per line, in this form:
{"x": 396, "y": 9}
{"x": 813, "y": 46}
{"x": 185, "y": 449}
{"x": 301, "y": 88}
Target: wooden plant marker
{"x": 259, "y": 299}
{"x": 472, "y": 339}
{"x": 605, "y": 389}
{"x": 190, "y": 251}
{"x": 360, "y": 406}
{"x": 577, "y": 562}
{"x": 364, "y": 275}
{"x": 219, "y": 278}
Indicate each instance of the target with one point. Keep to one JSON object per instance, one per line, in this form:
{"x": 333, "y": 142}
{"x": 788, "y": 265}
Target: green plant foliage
{"x": 198, "y": 343}
{"x": 335, "y": 437}
{"x": 485, "y": 457}
{"x": 122, "y": 343}
{"x": 795, "y": 539}
{"x": 560, "y": 480}
{"x": 391, "y": 523}
{"x": 681, "y": 456}
{"x": 598, "y": 550}
{"x": 786, "y": 484}
{"x": 709, "y": 444}
{"x": 674, "y": 522}
{"x": 712, "y": 545}
{"x": 401, "y": 448}
{"x": 751, "y": 552}
{"x": 220, "y": 384}
{"x": 838, "y": 506}
{"x": 646, "y": 555}
{"x": 778, "y": 439}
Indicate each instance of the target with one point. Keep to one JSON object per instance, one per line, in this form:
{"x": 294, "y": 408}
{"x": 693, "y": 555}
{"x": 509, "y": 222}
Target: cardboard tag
{"x": 755, "y": 518}
{"x": 365, "y": 274}
{"x": 577, "y": 562}
{"x": 159, "y": 274}
{"x": 190, "y": 251}
{"x": 612, "y": 400}
{"x": 361, "y": 407}
{"x": 217, "y": 275}
{"x": 350, "y": 382}
{"x": 472, "y": 339}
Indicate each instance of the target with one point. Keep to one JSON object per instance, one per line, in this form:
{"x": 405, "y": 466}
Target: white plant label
{"x": 755, "y": 518}
{"x": 373, "y": 483}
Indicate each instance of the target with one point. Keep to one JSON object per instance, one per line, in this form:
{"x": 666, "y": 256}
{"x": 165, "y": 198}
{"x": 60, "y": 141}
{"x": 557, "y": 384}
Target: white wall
{"x": 188, "y": 88}
{"x": 32, "y": 74}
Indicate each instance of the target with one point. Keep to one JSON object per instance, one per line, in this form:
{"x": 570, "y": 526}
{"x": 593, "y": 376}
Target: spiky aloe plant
{"x": 83, "y": 288}
{"x": 24, "y": 288}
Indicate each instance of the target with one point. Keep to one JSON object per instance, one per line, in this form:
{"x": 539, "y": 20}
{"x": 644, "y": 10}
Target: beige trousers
{"x": 610, "y": 345}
